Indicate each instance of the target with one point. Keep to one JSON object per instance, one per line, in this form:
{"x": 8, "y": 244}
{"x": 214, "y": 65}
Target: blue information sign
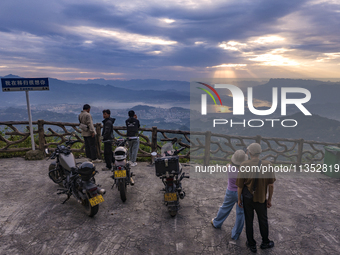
{"x": 24, "y": 84}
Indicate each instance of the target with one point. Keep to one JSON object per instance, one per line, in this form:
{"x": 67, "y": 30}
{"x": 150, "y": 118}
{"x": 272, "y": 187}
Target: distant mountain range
{"x": 322, "y": 92}
{"x": 138, "y": 84}
{"x": 65, "y": 92}
{"x": 325, "y": 95}
{"x": 173, "y": 96}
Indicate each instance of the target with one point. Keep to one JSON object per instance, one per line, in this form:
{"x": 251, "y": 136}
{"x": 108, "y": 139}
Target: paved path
{"x": 304, "y": 218}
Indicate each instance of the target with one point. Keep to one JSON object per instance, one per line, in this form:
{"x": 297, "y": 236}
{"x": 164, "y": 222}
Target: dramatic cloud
{"x": 174, "y": 39}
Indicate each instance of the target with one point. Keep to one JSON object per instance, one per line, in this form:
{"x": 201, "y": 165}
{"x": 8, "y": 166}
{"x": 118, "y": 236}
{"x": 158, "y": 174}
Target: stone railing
{"x": 206, "y": 147}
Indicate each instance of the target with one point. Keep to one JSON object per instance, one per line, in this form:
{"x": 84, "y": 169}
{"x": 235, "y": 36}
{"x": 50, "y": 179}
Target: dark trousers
{"x": 261, "y": 211}
{"x": 108, "y": 155}
{"x": 90, "y": 147}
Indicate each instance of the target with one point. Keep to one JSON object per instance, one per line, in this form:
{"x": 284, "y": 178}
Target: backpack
{"x": 82, "y": 126}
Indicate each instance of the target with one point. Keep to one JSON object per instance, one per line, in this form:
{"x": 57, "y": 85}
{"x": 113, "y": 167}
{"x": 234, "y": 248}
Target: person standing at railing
{"x": 107, "y": 135}
{"x": 88, "y": 132}
{"x": 132, "y": 126}
{"x": 253, "y": 186}
{"x": 230, "y": 198}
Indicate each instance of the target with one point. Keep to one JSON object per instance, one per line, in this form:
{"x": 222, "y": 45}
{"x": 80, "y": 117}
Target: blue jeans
{"x": 133, "y": 149}
{"x": 229, "y": 200}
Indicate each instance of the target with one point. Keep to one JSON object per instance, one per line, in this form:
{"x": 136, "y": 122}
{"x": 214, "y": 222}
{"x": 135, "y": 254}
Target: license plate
{"x": 168, "y": 197}
{"x": 96, "y": 200}
{"x": 120, "y": 173}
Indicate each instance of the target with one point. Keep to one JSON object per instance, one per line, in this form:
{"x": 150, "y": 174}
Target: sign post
{"x": 30, "y": 119}
{"x": 25, "y": 84}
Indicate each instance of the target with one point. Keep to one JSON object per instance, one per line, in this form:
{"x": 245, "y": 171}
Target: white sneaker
{"x": 134, "y": 164}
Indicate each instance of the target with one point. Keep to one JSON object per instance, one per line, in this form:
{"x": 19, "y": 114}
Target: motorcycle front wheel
{"x": 90, "y": 211}
{"x": 56, "y": 176}
{"x": 122, "y": 189}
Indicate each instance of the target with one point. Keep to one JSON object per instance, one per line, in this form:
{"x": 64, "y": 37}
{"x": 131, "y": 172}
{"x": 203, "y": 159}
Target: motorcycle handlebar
{"x": 176, "y": 152}
{"x": 121, "y": 142}
{"x": 72, "y": 142}
{"x": 184, "y": 176}
{"x": 74, "y": 170}
{"x": 52, "y": 155}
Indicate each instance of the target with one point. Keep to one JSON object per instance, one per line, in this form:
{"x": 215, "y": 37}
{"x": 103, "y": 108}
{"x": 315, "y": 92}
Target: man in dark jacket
{"x": 132, "y": 126}
{"x": 107, "y": 135}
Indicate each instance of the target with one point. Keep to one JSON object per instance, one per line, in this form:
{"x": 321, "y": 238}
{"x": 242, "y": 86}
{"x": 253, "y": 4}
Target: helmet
{"x": 86, "y": 170}
{"x": 120, "y": 153}
{"x": 166, "y": 147}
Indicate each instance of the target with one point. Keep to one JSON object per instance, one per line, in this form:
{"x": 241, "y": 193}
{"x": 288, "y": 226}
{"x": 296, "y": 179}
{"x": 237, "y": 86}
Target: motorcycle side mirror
{"x": 154, "y": 154}
{"x": 47, "y": 151}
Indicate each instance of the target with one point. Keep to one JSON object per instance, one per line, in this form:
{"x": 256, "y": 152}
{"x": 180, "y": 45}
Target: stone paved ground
{"x": 304, "y": 218}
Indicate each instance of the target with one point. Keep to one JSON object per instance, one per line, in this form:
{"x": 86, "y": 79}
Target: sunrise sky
{"x": 170, "y": 39}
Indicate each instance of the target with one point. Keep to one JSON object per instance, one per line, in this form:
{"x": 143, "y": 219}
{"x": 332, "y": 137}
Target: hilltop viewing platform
{"x": 304, "y": 218}
{"x": 120, "y": 95}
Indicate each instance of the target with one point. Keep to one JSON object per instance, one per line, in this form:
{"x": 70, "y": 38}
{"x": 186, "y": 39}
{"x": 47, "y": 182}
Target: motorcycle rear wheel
{"x": 122, "y": 189}
{"x": 173, "y": 208}
{"x": 172, "y": 213}
{"x": 90, "y": 211}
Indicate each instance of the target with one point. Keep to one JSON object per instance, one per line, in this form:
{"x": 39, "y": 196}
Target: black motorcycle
{"x": 169, "y": 170}
{"x": 121, "y": 168}
{"x": 76, "y": 178}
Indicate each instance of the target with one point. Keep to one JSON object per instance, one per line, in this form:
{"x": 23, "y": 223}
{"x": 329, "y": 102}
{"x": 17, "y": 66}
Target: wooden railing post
{"x": 154, "y": 139}
{"x": 299, "y": 156}
{"x": 98, "y": 127}
{"x": 207, "y": 148}
{"x": 41, "y": 133}
{"x": 258, "y": 139}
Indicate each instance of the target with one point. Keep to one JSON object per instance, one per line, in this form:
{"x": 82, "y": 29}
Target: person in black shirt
{"x": 107, "y": 134}
{"x": 132, "y": 125}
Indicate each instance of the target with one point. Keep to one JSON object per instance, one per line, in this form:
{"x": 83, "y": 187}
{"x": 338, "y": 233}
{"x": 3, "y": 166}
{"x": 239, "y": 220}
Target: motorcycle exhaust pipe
{"x": 101, "y": 191}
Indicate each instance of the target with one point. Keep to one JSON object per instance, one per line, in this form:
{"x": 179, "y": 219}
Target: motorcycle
{"x": 169, "y": 170}
{"x": 77, "y": 179}
{"x": 121, "y": 168}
